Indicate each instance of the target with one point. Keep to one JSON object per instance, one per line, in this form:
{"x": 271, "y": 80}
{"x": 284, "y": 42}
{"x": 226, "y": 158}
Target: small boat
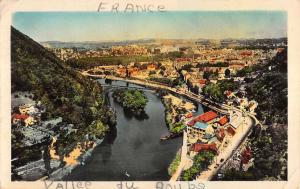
{"x": 169, "y": 136}
{"x": 127, "y": 174}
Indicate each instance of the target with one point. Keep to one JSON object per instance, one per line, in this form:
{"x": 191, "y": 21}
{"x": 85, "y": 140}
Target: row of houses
{"x": 209, "y": 130}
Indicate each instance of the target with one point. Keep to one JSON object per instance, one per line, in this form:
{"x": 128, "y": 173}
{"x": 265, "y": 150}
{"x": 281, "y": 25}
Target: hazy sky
{"x": 95, "y": 26}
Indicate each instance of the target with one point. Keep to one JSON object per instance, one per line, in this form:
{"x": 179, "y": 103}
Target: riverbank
{"x": 176, "y": 111}
{"x": 74, "y": 160}
{"x": 174, "y": 164}
{"x": 133, "y": 151}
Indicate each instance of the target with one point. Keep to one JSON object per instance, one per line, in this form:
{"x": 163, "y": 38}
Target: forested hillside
{"x": 64, "y": 92}
{"x": 269, "y": 141}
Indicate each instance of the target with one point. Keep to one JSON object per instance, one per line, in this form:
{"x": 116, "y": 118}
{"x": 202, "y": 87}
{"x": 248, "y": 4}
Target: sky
{"x": 107, "y": 26}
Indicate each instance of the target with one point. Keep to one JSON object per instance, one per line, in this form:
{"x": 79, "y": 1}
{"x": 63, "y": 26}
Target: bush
{"x": 174, "y": 164}
{"x": 201, "y": 162}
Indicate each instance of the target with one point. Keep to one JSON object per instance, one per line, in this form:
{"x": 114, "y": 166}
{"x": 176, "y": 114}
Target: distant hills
{"x": 93, "y": 44}
{"x": 149, "y": 42}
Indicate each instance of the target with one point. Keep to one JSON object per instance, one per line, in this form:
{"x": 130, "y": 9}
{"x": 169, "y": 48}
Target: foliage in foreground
{"x": 201, "y": 162}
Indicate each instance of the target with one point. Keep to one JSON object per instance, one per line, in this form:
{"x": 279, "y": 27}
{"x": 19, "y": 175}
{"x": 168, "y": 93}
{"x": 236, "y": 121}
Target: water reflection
{"x": 141, "y": 116}
{"x": 133, "y": 150}
{"x": 107, "y": 143}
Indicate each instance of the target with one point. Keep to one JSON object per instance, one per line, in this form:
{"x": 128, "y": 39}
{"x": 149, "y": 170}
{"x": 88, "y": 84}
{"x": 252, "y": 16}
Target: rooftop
{"x": 200, "y": 125}
{"x": 207, "y": 116}
{"x": 223, "y": 120}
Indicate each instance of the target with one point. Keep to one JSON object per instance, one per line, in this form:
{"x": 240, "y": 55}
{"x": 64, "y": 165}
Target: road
{"x": 241, "y": 133}
{"x": 190, "y": 95}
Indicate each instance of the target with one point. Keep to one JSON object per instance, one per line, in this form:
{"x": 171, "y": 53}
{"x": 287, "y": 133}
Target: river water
{"x": 133, "y": 151}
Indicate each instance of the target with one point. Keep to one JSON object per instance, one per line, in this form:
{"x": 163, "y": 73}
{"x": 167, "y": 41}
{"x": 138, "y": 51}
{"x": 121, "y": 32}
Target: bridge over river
{"x": 242, "y": 133}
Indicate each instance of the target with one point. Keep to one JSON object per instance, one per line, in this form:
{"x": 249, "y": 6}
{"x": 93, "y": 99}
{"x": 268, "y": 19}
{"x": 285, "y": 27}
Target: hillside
{"x": 269, "y": 141}
{"x": 61, "y": 90}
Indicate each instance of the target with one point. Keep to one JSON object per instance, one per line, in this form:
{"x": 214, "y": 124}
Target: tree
{"x": 207, "y": 74}
{"x": 227, "y": 73}
{"x": 187, "y": 67}
{"x": 152, "y": 72}
{"x": 201, "y": 162}
{"x": 137, "y": 64}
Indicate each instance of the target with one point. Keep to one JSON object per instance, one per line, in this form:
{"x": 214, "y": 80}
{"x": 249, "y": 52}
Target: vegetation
{"x": 166, "y": 81}
{"x": 271, "y": 83}
{"x": 218, "y": 64}
{"x": 134, "y": 100}
{"x": 177, "y": 128}
{"x": 187, "y": 67}
{"x": 174, "y": 164}
{"x": 216, "y": 91}
{"x": 91, "y": 62}
{"x": 201, "y": 162}
{"x": 209, "y": 75}
{"x": 175, "y": 125}
{"x": 243, "y": 72}
{"x": 269, "y": 142}
{"x": 269, "y": 146}
{"x": 63, "y": 91}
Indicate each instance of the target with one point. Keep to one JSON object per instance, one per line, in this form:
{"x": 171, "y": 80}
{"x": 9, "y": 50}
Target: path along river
{"x": 133, "y": 151}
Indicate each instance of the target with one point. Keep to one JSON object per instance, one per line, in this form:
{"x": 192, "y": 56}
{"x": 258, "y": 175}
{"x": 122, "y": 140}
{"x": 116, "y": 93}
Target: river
{"x": 132, "y": 151}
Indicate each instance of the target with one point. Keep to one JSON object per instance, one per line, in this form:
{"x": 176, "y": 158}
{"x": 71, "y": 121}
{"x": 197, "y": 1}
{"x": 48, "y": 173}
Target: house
{"x": 229, "y": 94}
{"x": 220, "y": 134}
{"x": 26, "y": 108}
{"x": 252, "y": 106}
{"x": 183, "y": 59}
{"x": 189, "y": 115}
{"x": 212, "y": 140}
{"x": 223, "y": 120}
{"x": 151, "y": 67}
{"x": 17, "y": 118}
{"x": 199, "y": 147}
{"x": 210, "y": 130}
{"x": 246, "y": 155}
{"x": 29, "y": 121}
{"x": 198, "y": 126}
{"x": 207, "y": 116}
{"x": 121, "y": 71}
{"x": 246, "y": 53}
{"x": 133, "y": 71}
{"x": 236, "y": 121}
{"x": 202, "y": 81}
{"x": 197, "y": 130}
{"x": 230, "y": 131}
{"x": 243, "y": 102}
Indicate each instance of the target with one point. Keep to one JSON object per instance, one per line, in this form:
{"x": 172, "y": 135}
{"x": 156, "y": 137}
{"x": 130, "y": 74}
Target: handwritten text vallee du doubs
{"x": 129, "y": 7}
{"x": 124, "y": 185}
